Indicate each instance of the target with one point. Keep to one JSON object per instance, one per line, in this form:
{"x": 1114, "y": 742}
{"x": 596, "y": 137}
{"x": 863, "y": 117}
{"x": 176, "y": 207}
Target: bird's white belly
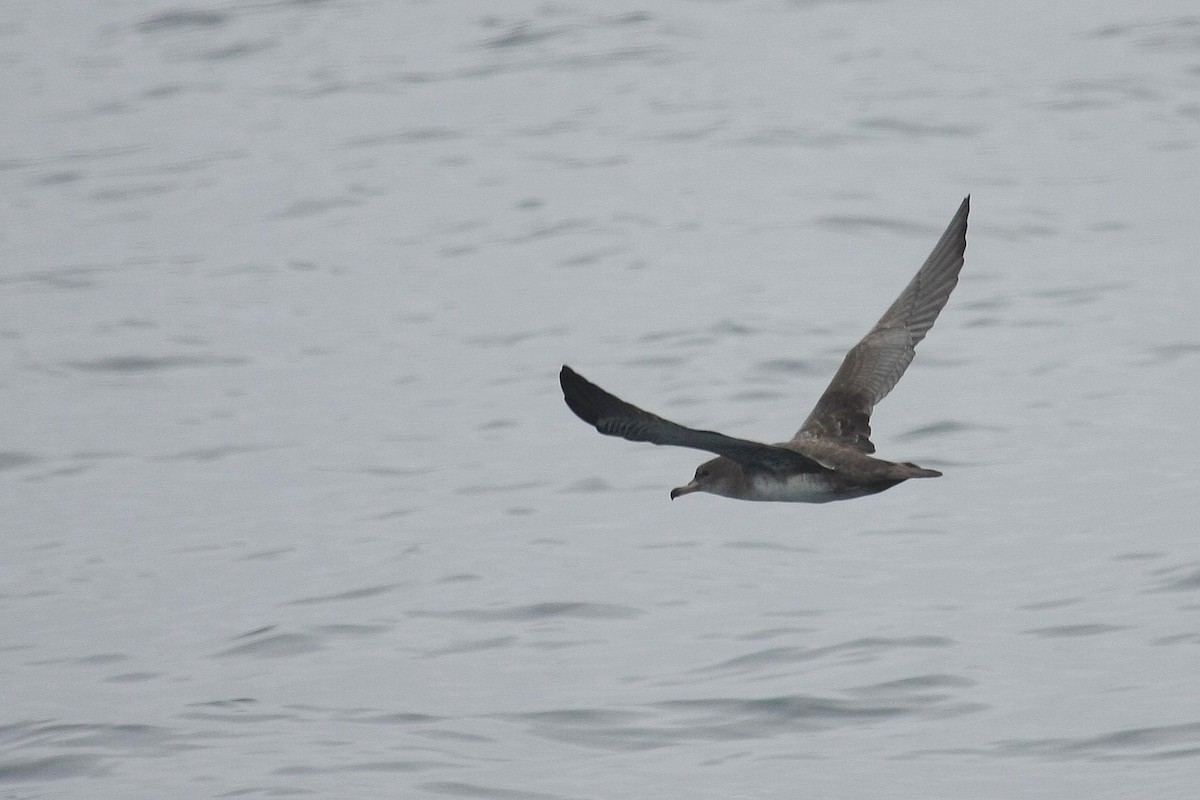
{"x": 807, "y": 487}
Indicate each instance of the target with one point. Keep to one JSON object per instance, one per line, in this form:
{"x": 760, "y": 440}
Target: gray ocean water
{"x": 290, "y": 504}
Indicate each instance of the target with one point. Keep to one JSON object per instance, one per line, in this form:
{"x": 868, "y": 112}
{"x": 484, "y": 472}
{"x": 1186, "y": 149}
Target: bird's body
{"x": 807, "y": 489}
{"x": 839, "y": 473}
{"x": 829, "y": 458}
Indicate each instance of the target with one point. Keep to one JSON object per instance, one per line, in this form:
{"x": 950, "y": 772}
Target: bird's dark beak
{"x": 682, "y": 490}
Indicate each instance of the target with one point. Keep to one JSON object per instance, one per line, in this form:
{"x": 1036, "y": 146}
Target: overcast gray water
{"x": 290, "y": 503}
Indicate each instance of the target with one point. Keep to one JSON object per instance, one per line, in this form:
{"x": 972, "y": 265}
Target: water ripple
{"x": 1071, "y": 631}
{"x": 867, "y": 649}
{"x": 15, "y": 460}
{"x": 352, "y": 594}
{"x": 457, "y": 789}
{"x": 182, "y": 20}
{"x": 279, "y": 645}
{"x": 1129, "y": 744}
{"x": 847, "y": 222}
{"x": 673, "y": 722}
{"x": 98, "y": 742}
{"x": 71, "y": 765}
{"x": 537, "y": 611}
{"x": 1188, "y": 582}
{"x": 472, "y": 646}
{"x": 944, "y": 427}
{"x": 917, "y": 129}
{"x": 139, "y": 363}
{"x": 402, "y": 766}
{"x": 792, "y": 366}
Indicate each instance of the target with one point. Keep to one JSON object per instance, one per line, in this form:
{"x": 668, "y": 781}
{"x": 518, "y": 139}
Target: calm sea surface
{"x": 289, "y": 500}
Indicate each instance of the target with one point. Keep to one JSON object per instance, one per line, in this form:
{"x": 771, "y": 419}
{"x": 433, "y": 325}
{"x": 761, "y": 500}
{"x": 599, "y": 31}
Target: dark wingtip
{"x": 576, "y": 391}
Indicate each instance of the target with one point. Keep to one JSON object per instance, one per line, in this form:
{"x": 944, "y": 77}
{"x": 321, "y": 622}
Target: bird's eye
{"x": 701, "y": 473}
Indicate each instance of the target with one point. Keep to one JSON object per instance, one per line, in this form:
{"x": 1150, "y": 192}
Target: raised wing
{"x": 612, "y": 416}
{"x": 875, "y": 364}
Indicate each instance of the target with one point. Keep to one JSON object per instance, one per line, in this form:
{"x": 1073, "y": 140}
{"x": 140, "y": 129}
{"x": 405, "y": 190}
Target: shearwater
{"x": 829, "y": 458}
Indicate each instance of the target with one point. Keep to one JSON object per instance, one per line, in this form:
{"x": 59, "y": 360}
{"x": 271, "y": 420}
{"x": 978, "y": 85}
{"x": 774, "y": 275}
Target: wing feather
{"x": 612, "y": 416}
{"x": 873, "y": 366}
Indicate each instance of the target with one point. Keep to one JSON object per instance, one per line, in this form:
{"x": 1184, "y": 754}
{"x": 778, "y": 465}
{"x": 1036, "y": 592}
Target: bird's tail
{"x": 911, "y": 470}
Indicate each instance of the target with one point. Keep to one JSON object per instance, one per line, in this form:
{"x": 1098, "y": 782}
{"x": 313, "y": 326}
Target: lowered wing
{"x": 612, "y": 416}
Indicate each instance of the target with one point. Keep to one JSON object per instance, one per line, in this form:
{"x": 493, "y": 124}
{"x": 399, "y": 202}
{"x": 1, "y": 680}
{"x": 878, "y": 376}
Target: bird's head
{"x": 719, "y": 476}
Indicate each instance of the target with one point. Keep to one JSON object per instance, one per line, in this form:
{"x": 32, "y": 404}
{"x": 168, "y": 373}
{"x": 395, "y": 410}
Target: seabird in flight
{"x": 829, "y": 458}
